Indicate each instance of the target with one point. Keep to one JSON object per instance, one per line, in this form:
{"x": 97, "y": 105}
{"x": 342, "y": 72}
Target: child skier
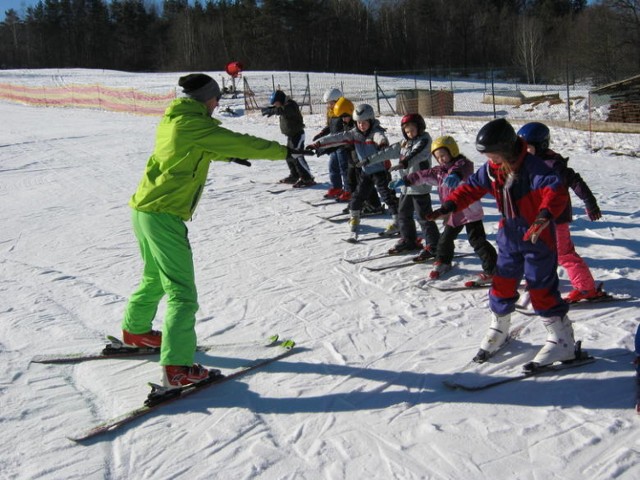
{"x": 529, "y": 195}
{"x": 339, "y": 157}
{"x": 367, "y": 138}
{"x": 537, "y": 136}
{"x": 414, "y": 153}
{"x": 292, "y": 126}
{"x": 453, "y": 170}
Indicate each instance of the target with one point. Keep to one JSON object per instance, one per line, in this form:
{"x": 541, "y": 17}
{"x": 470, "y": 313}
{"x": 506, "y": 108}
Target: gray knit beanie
{"x": 200, "y": 87}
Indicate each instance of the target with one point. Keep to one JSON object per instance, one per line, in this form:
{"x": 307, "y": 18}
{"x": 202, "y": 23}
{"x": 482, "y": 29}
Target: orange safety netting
{"x": 89, "y": 96}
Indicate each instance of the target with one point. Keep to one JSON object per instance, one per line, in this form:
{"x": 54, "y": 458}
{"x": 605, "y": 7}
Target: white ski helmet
{"x": 331, "y": 95}
{"x": 364, "y": 112}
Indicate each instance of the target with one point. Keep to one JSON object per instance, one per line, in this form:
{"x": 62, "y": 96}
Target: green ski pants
{"x": 168, "y": 269}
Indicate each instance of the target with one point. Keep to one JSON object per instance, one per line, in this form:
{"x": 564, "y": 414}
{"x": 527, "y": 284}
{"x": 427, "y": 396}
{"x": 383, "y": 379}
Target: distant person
{"x": 529, "y": 196}
{"x": 187, "y": 140}
{"x": 538, "y": 137}
{"x": 292, "y": 126}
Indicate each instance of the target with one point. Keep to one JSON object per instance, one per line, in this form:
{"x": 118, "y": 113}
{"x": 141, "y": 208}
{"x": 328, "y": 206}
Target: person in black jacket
{"x": 292, "y": 126}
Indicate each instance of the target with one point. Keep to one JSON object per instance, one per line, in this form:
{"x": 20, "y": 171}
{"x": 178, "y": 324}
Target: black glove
{"x": 594, "y": 213}
{"x": 445, "y": 209}
{"x": 240, "y": 161}
{"x": 268, "y": 111}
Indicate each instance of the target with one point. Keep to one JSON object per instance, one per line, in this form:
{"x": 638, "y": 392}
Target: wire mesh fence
{"x": 481, "y": 95}
{"x": 446, "y": 99}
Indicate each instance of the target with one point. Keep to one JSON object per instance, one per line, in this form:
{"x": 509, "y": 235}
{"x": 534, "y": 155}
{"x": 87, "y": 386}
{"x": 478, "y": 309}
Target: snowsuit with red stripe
{"x": 521, "y": 197}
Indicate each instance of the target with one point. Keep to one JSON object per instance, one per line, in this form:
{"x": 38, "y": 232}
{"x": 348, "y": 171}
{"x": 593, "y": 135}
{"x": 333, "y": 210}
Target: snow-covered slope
{"x": 363, "y": 396}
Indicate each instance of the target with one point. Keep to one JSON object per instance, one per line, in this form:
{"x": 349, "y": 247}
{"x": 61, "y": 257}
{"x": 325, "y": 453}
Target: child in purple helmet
{"x": 537, "y": 136}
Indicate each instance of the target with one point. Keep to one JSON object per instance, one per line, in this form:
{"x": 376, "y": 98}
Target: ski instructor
{"x": 187, "y": 139}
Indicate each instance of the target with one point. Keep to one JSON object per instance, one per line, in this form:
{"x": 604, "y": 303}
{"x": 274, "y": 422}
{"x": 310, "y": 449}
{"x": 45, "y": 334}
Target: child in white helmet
{"x": 367, "y": 138}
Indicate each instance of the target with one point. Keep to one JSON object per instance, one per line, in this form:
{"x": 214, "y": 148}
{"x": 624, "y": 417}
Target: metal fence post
{"x": 568, "y": 98}
{"x": 493, "y": 94}
{"x": 375, "y": 74}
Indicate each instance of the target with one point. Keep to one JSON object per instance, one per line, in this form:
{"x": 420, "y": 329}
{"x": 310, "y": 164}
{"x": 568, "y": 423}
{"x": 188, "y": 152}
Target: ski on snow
{"x": 160, "y": 396}
{"x": 117, "y": 349}
{"x": 370, "y": 257}
{"x": 582, "y": 358}
{"x": 274, "y": 188}
{"x": 322, "y": 203}
{"x": 387, "y": 254}
{"x": 361, "y": 239}
{"x": 409, "y": 264}
{"x": 608, "y": 298}
{"x": 345, "y": 217}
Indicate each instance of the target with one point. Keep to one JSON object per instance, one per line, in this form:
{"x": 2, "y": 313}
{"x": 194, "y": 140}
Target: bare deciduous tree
{"x": 529, "y": 46}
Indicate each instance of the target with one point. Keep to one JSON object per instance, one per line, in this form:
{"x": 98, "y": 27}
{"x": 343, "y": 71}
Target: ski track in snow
{"x": 362, "y": 398}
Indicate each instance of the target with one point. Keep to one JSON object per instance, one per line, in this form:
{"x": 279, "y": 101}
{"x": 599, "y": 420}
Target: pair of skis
{"x": 159, "y": 395}
{"x": 529, "y": 370}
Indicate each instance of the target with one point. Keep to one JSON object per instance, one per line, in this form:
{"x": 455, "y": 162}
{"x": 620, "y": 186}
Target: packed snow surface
{"x": 363, "y": 395}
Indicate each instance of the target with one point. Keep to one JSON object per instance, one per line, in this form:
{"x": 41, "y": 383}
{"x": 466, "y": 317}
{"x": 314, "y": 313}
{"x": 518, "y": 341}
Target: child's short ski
{"x": 410, "y": 263}
{"x": 582, "y": 304}
{"x": 607, "y": 297}
{"x": 393, "y": 266}
{"x": 582, "y": 358}
{"x": 117, "y": 349}
{"x": 321, "y": 203}
{"x": 336, "y": 218}
{"x": 367, "y": 238}
{"x": 449, "y": 287}
{"x": 468, "y": 285}
{"x": 371, "y": 257}
{"x": 160, "y": 396}
{"x": 280, "y": 188}
{"x": 345, "y": 217}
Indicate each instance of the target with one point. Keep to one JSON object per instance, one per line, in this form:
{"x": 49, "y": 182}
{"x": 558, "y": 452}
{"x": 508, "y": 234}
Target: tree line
{"x": 541, "y": 40}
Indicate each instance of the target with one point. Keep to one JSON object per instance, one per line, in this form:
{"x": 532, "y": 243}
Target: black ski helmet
{"x": 497, "y": 136}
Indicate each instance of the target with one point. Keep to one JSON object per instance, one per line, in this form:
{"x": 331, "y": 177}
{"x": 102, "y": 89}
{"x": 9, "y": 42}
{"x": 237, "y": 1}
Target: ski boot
{"x": 495, "y": 337}
{"x": 151, "y": 339}
{"x": 560, "y": 344}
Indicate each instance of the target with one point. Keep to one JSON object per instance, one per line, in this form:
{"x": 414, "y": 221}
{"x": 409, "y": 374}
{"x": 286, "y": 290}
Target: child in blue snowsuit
{"x": 529, "y": 196}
